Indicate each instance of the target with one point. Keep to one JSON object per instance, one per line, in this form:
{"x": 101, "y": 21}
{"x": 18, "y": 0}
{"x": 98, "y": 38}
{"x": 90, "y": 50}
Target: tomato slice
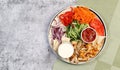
{"x": 66, "y": 18}
{"x": 98, "y": 26}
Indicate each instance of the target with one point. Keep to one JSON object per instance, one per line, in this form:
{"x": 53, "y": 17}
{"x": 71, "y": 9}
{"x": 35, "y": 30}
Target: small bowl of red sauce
{"x": 88, "y": 35}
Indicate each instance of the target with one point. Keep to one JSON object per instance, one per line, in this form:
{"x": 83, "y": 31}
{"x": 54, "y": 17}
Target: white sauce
{"x": 66, "y": 50}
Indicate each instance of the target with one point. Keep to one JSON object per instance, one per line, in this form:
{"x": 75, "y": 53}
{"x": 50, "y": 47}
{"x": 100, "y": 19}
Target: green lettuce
{"x": 73, "y": 31}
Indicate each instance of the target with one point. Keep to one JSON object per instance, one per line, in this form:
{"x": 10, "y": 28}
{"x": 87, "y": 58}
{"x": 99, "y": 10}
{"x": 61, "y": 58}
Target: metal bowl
{"x": 91, "y": 59}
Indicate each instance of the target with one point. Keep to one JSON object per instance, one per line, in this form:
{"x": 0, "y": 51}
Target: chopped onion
{"x": 57, "y": 33}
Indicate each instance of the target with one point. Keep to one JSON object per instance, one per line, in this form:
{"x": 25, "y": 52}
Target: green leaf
{"x": 73, "y": 31}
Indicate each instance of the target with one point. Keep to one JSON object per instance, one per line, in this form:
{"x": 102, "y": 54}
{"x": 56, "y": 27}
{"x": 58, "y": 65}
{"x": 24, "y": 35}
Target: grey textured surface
{"x": 23, "y": 33}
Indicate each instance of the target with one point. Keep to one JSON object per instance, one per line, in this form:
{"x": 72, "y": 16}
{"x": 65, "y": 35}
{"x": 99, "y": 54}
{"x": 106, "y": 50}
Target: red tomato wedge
{"x": 98, "y": 26}
{"x": 66, "y": 18}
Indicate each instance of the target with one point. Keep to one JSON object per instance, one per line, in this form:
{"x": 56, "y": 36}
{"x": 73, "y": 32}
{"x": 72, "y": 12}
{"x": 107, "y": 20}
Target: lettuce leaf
{"x": 73, "y": 31}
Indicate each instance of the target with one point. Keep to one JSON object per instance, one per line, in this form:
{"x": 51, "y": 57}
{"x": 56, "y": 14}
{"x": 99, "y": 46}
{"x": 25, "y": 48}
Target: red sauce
{"x": 88, "y": 35}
